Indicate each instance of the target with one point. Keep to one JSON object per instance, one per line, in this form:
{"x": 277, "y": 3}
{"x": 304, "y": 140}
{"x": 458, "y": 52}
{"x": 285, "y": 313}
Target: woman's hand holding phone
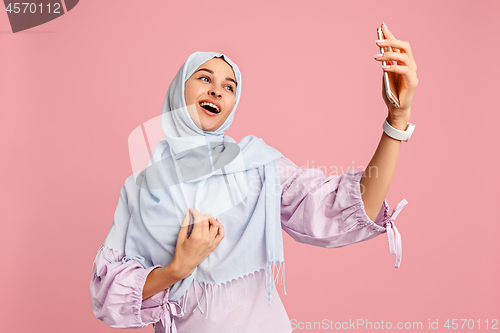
{"x": 404, "y": 71}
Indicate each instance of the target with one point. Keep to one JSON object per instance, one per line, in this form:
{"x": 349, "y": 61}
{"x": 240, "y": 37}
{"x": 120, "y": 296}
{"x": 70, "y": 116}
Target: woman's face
{"x": 210, "y": 94}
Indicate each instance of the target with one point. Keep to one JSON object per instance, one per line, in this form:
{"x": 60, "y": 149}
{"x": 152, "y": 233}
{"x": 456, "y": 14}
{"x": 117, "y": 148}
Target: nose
{"x": 215, "y": 93}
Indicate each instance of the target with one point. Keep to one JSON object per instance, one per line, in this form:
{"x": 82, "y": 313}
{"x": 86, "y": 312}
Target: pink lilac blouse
{"x": 317, "y": 210}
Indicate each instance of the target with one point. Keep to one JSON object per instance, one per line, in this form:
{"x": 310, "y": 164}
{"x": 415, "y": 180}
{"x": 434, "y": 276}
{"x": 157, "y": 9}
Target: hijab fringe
{"x": 206, "y": 300}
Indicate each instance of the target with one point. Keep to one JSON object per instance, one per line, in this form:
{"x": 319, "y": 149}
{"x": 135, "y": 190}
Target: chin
{"x": 210, "y": 128}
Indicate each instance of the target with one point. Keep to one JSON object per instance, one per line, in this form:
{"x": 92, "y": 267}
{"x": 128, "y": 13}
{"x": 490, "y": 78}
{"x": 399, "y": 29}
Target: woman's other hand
{"x": 192, "y": 249}
{"x": 189, "y": 252}
{"x": 405, "y": 72}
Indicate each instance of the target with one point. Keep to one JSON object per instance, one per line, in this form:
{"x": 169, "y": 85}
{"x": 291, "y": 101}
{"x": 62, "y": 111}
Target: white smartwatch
{"x": 397, "y": 134}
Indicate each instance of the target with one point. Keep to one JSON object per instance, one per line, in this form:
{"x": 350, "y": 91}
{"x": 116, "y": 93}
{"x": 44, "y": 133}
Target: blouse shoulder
{"x": 286, "y": 169}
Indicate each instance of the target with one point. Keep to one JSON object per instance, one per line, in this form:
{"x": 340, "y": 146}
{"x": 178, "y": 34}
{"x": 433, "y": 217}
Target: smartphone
{"x": 390, "y": 84}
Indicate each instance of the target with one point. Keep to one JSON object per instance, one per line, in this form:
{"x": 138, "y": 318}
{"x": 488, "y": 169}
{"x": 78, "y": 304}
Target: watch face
{"x": 409, "y": 130}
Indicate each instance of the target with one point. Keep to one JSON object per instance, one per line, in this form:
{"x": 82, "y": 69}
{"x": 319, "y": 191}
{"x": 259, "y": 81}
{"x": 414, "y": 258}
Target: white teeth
{"x": 210, "y": 104}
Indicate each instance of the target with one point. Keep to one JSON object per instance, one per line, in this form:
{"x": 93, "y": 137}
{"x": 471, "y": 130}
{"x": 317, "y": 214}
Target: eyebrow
{"x": 212, "y": 72}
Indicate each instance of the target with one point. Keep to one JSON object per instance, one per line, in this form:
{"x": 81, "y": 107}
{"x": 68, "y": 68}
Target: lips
{"x": 209, "y": 113}
{"x": 212, "y": 107}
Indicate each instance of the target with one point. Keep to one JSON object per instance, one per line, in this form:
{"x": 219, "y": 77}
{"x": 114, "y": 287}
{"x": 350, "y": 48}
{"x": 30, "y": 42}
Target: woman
{"x": 155, "y": 266}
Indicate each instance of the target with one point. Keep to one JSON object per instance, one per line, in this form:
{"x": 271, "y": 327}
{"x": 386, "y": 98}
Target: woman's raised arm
{"x": 378, "y": 174}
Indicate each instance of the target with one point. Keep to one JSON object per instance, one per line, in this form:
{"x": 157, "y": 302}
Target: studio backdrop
{"x": 77, "y": 82}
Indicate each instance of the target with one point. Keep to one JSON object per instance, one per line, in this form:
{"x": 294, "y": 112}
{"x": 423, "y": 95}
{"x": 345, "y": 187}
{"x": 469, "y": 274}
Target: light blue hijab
{"x": 238, "y": 183}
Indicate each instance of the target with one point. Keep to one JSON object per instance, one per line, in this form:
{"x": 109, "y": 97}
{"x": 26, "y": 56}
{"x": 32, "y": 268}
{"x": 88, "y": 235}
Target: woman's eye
{"x": 207, "y": 79}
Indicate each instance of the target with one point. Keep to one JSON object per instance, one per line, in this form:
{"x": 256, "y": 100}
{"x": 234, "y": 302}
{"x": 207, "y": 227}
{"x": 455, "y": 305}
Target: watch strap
{"x": 397, "y": 134}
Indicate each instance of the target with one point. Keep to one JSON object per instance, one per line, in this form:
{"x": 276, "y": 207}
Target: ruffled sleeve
{"x": 118, "y": 281}
{"x": 116, "y": 293}
{"x": 329, "y": 211}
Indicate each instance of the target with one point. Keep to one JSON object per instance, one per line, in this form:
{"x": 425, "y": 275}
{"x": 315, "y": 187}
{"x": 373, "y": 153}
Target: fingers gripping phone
{"x": 390, "y": 86}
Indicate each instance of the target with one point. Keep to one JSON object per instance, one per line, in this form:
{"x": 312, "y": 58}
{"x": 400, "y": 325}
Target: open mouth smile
{"x": 210, "y": 107}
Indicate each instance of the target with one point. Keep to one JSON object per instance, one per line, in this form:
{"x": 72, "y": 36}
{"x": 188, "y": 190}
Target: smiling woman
{"x": 166, "y": 260}
{"x": 210, "y": 94}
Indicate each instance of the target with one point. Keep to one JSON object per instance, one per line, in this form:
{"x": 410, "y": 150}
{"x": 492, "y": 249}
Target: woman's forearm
{"x": 160, "y": 279}
{"x": 377, "y": 177}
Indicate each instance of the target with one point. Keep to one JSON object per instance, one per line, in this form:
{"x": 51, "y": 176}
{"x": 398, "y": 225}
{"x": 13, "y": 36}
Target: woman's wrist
{"x": 160, "y": 279}
{"x": 399, "y": 123}
{"x": 175, "y": 270}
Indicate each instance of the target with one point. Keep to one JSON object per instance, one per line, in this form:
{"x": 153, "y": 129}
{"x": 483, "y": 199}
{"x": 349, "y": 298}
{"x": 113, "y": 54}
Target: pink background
{"x": 73, "y": 89}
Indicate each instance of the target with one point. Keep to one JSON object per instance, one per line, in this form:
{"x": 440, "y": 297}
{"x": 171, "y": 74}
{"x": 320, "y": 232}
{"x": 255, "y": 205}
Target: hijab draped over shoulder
{"x": 238, "y": 183}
